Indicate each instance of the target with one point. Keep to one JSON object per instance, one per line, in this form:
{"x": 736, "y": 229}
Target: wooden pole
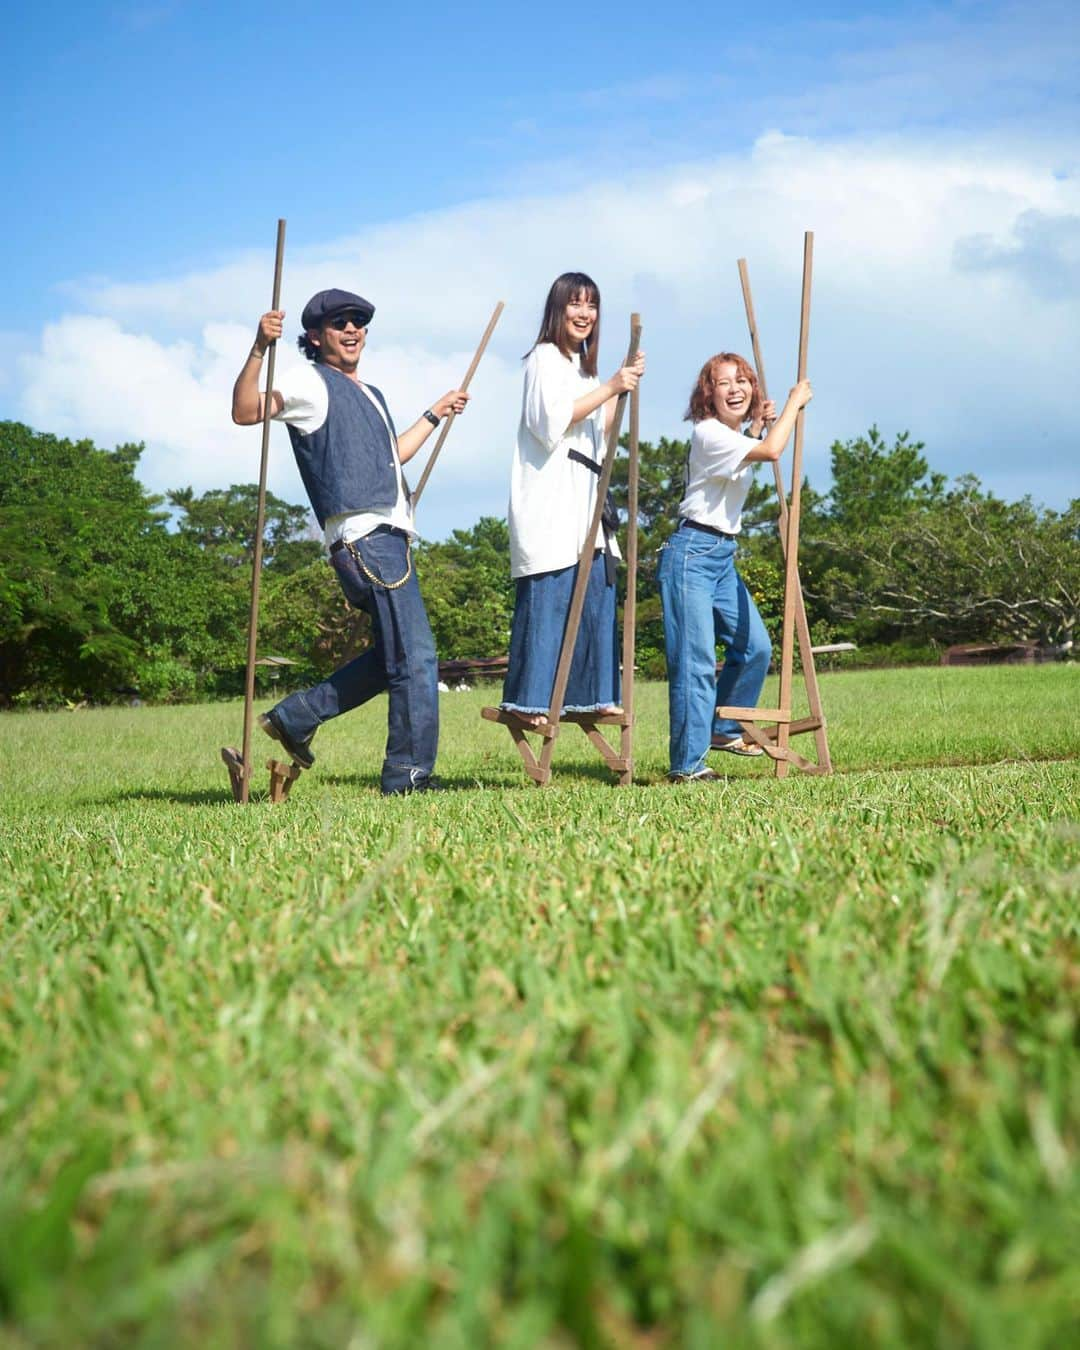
{"x": 626, "y": 745}
{"x": 802, "y": 626}
{"x": 791, "y": 559}
{"x": 748, "y": 304}
{"x": 450, "y": 417}
{"x": 577, "y": 602}
{"x": 260, "y": 524}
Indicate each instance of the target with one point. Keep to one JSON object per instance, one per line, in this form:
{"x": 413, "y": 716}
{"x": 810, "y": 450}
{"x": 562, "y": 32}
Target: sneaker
{"x": 738, "y": 746}
{"x": 704, "y": 775}
{"x": 300, "y": 750}
{"x": 431, "y": 784}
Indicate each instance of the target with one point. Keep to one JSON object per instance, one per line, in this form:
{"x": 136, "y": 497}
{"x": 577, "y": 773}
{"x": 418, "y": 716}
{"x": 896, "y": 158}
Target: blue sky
{"x": 437, "y": 159}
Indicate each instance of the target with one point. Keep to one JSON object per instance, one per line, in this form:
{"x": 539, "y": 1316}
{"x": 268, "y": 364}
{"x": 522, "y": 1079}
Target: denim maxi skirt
{"x": 541, "y": 607}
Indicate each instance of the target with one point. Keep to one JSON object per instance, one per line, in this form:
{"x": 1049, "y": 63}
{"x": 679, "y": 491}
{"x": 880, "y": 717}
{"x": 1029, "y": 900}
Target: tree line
{"x": 108, "y": 591}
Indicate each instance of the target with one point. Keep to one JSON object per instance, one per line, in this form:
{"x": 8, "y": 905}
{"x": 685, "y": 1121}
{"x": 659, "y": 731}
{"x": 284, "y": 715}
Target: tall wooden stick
{"x": 450, "y": 416}
{"x": 577, "y": 602}
{"x": 802, "y": 626}
{"x": 791, "y": 575}
{"x": 751, "y": 321}
{"x": 260, "y": 524}
{"x": 626, "y": 744}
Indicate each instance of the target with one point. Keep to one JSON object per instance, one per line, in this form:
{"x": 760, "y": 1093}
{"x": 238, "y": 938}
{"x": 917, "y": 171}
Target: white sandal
{"x": 738, "y": 745}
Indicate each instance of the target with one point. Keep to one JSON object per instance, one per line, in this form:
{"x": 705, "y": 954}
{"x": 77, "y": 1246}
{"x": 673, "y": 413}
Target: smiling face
{"x": 340, "y": 341}
{"x": 731, "y": 391}
{"x": 580, "y": 319}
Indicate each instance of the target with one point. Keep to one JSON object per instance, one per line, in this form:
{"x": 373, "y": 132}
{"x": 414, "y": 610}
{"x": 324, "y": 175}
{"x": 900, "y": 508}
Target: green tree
{"x": 97, "y": 596}
{"x": 874, "y": 485}
{"x": 222, "y": 521}
{"x": 468, "y": 590}
{"x": 964, "y": 567}
{"x": 872, "y": 482}
{"x": 66, "y": 510}
{"x": 305, "y": 617}
{"x": 187, "y": 611}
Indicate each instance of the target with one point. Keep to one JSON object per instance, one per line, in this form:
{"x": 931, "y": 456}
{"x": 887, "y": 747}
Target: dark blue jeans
{"x": 402, "y": 661}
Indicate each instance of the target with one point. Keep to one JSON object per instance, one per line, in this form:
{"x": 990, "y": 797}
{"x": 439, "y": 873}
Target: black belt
{"x": 705, "y": 529}
{"x": 339, "y": 544}
{"x": 610, "y": 517}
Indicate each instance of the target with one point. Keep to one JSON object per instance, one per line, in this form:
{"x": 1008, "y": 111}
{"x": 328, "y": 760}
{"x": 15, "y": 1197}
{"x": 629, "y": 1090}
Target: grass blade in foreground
{"x": 785, "y": 1064}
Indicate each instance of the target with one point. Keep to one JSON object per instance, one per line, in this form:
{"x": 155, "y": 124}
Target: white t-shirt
{"x": 551, "y": 496}
{"x": 717, "y": 481}
{"x": 307, "y": 403}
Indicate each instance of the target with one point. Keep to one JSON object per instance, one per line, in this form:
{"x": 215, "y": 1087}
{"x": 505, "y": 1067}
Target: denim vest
{"x": 347, "y": 464}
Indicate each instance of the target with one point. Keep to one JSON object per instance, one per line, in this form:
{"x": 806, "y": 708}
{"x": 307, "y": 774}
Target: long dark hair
{"x": 553, "y": 325}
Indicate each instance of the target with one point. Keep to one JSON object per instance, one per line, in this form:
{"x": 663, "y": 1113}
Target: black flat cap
{"x": 328, "y": 303}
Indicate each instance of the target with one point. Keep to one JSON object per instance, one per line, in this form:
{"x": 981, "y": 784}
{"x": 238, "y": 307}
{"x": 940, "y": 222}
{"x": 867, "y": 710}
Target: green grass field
{"x": 777, "y": 1064}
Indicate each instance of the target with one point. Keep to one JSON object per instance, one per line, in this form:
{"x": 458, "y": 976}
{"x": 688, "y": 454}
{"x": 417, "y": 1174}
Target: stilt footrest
{"x": 797, "y": 728}
{"x": 282, "y": 777}
{"x": 513, "y": 719}
{"x": 768, "y": 738}
{"x": 755, "y": 714}
{"x": 539, "y": 770}
{"x": 603, "y": 719}
{"x": 234, "y": 762}
{"x": 581, "y": 719}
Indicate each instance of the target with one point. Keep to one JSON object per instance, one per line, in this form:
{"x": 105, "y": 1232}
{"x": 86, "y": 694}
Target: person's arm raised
{"x": 772, "y": 447}
{"x": 414, "y": 437}
{"x": 624, "y": 381}
{"x": 247, "y": 399}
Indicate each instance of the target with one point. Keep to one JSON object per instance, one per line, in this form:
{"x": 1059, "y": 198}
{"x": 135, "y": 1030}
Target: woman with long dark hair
{"x": 565, "y": 413}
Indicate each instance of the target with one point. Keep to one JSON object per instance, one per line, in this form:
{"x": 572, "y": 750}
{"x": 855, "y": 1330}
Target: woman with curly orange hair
{"x": 705, "y": 600}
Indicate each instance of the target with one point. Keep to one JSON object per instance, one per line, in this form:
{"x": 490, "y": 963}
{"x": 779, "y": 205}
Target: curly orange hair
{"x": 701, "y": 404}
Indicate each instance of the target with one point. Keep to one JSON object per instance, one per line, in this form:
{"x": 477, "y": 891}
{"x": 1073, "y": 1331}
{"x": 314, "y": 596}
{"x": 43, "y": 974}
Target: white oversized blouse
{"x": 551, "y": 496}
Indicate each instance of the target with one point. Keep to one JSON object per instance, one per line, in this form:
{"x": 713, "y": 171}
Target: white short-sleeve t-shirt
{"x": 552, "y": 496}
{"x": 717, "y": 479}
{"x": 306, "y": 405}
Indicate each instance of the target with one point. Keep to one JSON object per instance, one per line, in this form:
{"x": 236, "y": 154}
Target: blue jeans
{"x": 401, "y": 661}
{"x": 705, "y": 602}
{"x": 541, "y": 607}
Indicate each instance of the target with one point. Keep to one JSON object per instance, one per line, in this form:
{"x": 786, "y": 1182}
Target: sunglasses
{"x": 341, "y": 321}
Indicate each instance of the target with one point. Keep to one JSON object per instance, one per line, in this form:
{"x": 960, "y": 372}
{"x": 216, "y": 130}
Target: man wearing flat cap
{"x": 350, "y": 459}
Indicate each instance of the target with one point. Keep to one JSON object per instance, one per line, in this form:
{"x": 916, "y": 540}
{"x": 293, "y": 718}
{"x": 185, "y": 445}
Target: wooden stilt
{"x": 626, "y": 735}
{"x": 538, "y": 767}
{"x": 791, "y": 551}
{"x": 282, "y": 777}
{"x": 451, "y": 416}
{"x": 240, "y": 774}
{"x": 816, "y": 721}
{"x": 775, "y": 741}
{"x": 234, "y": 762}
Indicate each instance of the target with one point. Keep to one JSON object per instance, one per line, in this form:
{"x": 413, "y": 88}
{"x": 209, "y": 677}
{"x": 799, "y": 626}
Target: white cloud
{"x": 900, "y": 334}
{"x": 1043, "y": 250}
{"x": 92, "y": 377}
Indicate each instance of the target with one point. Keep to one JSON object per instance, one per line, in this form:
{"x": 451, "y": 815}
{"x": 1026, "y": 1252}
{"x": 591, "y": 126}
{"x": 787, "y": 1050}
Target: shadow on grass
{"x": 504, "y": 779}
{"x": 195, "y": 797}
{"x": 368, "y": 783}
{"x": 491, "y": 779}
